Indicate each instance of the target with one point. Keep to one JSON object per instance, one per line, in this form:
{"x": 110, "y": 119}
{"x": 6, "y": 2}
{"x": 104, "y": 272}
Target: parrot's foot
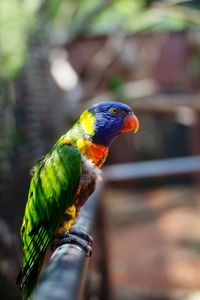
{"x": 81, "y": 239}
{"x": 83, "y": 235}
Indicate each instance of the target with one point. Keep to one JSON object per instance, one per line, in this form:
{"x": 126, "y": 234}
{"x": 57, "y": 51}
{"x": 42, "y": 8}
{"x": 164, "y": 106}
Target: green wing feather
{"x": 52, "y": 189}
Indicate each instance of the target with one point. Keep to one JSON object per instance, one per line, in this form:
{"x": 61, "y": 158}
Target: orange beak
{"x": 131, "y": 122}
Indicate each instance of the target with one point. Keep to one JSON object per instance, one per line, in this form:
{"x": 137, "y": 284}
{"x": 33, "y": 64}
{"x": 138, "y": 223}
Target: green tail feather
{"x": 28, "y": 285}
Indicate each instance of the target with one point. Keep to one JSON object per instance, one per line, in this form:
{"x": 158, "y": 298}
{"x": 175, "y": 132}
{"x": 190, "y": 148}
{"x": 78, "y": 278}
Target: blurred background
{"x": 58, "y": 57}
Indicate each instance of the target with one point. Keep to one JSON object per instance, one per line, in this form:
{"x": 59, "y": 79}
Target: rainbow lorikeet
{"x": 64, "y": 179}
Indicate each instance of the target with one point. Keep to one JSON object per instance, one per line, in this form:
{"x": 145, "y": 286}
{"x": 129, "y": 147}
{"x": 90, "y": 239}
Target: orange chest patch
{"x": 99, "y": 154}
{"x": 96, "y": 153}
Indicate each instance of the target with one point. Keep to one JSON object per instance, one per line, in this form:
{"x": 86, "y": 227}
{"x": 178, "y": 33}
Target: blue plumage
{"x": 109, "y": 119}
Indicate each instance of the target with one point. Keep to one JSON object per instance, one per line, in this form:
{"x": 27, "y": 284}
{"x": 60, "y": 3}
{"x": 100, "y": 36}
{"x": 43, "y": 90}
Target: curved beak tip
{"x": 131, "y": 123}
{"x": 137, "y": 124}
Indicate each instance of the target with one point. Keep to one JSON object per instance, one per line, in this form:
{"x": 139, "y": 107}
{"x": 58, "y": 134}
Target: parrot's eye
{"x": 114, "y": 111}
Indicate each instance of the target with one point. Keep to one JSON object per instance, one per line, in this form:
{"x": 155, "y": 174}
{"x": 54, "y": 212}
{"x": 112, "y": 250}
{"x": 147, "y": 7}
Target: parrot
{"x": 63, "y": 180}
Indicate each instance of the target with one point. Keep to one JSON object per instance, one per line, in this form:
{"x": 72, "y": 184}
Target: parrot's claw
{"x": 81, "y": 239}
{"x": 83, "y": 235}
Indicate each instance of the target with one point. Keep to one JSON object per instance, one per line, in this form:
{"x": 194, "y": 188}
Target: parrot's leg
{"x": 77, "y": 238}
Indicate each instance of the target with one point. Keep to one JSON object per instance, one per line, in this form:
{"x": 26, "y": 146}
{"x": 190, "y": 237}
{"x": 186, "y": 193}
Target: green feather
{"x": 52, "y": 189}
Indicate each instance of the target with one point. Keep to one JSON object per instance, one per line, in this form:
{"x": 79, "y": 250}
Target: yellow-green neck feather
{"x": 81, "y": 135}
{"x": 83, "y": 128}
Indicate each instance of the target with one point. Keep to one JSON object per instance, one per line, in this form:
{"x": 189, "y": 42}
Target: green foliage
{"x": 16, "y": 22}
{"x": 115, "y": 84}
{"x": 136, "y": 16}
{"x": 116, "y": 15}
{"x": 21, "y": 20}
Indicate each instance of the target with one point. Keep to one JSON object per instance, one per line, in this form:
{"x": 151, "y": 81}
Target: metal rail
{"x": 65, "y": 275}
{"x": 152, "y": 169}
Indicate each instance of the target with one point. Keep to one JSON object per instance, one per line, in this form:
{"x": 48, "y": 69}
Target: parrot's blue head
{"x": 110, "y": 119}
